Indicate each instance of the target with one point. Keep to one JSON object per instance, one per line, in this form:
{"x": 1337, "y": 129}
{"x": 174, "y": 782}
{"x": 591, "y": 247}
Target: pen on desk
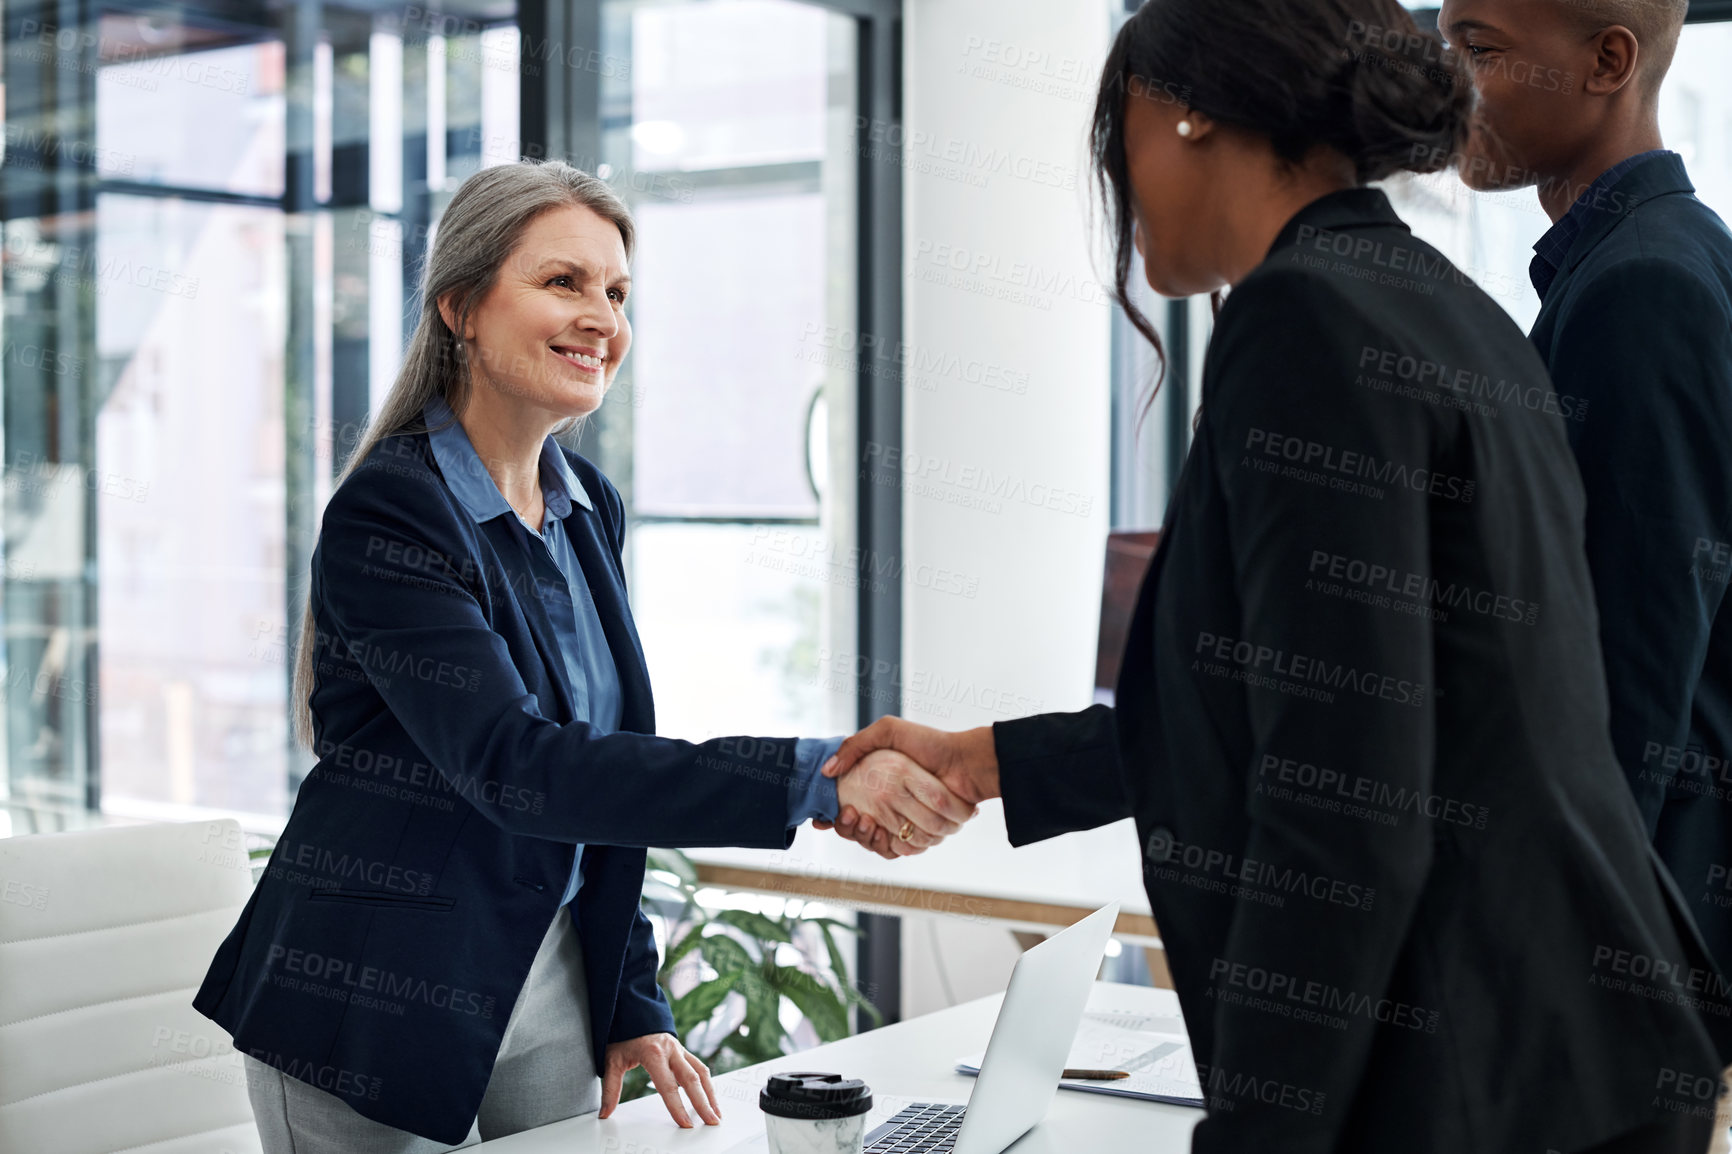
{"x": 1095, "y": 1075}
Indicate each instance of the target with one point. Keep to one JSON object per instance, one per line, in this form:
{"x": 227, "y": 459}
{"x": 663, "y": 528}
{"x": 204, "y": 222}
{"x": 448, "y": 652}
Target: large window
{"x": 729, "y": 431}
{"x": 213, "y": 217}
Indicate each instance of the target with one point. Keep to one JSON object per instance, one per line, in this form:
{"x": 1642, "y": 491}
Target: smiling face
{"x": 1529, "y": 60}
{"x": 552, "y": 331}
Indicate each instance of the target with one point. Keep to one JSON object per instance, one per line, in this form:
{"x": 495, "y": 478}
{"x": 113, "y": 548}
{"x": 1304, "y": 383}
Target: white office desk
{"x": 915, "y": 1059}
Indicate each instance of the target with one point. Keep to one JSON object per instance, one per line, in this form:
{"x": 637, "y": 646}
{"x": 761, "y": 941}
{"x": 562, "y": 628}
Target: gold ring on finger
{"x": 906, "y": 833}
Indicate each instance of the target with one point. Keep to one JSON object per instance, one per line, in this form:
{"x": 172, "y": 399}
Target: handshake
{"x": 903, "y": 788}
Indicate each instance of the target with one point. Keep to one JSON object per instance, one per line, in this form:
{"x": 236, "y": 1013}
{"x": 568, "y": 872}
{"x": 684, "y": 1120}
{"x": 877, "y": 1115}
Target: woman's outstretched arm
{"x": 392, "y": 599}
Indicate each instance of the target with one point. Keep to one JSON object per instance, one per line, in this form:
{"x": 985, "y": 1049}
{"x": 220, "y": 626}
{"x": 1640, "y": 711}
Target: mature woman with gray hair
{"x": 447, "y": 944}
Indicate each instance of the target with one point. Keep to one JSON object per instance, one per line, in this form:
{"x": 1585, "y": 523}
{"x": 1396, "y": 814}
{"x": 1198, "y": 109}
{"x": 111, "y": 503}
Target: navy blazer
{"x": 1637, "y": 333}
{"x": 381, "y": 954}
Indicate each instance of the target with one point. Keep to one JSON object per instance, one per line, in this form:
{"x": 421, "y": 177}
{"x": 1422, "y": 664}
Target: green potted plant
{"x": 730, "y": 967}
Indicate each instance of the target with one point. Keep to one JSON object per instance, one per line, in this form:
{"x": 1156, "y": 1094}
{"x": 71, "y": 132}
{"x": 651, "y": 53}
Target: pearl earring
{"x": 1184, "y": 128}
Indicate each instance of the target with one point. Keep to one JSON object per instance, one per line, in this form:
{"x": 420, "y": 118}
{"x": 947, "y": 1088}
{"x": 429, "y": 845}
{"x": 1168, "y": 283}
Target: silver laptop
{"x": 1049, "y": 990}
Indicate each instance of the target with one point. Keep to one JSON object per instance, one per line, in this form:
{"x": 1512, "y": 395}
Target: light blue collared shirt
{"x": 576, "y": 625}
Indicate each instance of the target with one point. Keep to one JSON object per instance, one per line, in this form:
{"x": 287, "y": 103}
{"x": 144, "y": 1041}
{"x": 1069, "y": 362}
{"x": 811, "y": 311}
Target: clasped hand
{"x": 904, "y": 788}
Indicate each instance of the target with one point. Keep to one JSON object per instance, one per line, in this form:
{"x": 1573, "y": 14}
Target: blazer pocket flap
{"x": 382, "y": 898}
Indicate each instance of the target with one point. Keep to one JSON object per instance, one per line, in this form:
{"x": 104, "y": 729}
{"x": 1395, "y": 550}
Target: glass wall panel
{"x": 725, "y": 85}
{"x": 1696, "y": 112}
{"x": 211, "y": 119}
{"x": 721, "y": 428}
{"x": 213, "y": 220}
{"x": 730, "y": 425}
{"x": 189, "y": 513}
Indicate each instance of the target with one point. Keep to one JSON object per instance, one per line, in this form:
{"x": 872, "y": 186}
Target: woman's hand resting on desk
{"x": 910, "y": 808}
{"x": 670, "y": 1066}
{"x": 963, "y": 765}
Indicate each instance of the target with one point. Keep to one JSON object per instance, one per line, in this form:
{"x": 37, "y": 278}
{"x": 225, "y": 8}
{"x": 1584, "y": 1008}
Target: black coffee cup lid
{"x": 815, "y": 1097}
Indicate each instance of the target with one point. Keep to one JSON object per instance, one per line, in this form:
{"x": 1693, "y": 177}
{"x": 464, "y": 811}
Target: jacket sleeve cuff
{"x": 1058, "y": 772}
{"x": 810, "y": 793}
{"x": 639, "y": 1015}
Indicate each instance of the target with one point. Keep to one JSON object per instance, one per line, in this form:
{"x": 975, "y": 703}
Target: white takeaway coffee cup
{"x": 815, "y": 1113}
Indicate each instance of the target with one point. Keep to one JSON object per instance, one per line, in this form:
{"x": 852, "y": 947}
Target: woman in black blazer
{"x": 1362, "y": 720}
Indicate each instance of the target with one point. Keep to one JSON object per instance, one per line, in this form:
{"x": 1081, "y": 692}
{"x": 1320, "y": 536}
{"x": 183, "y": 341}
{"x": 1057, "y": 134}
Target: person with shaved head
{"x": 1635, "y": 325}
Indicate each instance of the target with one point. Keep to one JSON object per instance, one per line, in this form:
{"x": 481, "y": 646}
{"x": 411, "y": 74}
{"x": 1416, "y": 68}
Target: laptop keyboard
{"x": 923, "y": 1128}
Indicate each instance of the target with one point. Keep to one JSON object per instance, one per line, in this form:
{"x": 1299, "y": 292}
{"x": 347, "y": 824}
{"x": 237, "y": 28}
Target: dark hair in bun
{"x": 1355, "y": 75}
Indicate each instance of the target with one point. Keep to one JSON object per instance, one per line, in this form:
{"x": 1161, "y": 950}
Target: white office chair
{"x": 104, "y": 938}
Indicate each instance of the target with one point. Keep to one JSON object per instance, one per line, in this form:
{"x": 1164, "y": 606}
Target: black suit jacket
{"x": 1637, "y": 329}
{"x": 1361, "y": 724}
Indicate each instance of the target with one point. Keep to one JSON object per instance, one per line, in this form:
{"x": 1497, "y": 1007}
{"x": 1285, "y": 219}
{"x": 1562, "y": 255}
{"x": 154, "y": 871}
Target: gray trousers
{"x": 545, "y": 1072}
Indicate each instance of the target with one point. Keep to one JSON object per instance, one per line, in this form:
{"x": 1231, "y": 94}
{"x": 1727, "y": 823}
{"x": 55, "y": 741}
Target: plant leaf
{"x": 815, "y": 999}
{"x": 755, "y": 925}
{"x": 743, "y": 955}
{"x": 726, "y": 955}
{"x": 852, "y": 996}
{"x": 856, "y": 998}
{"x": 763, "y": 1010}
{"x": 695, "y": 1006}
{"x": 762, "y": 1044}
{"x": 837, "y": 966}
{"x": 656, "y": 890}
{"x": 694, "y": 937}
{"x": 754, "y": 1051}
{"x": 674, "y": 862}
{"x": 832, "y": 923}
{"x": 727, "y": 1057}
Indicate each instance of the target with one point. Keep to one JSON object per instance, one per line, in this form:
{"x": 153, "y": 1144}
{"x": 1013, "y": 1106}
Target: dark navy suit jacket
{"x": 1637, "y": 333}
{"x": 381, "y": 954}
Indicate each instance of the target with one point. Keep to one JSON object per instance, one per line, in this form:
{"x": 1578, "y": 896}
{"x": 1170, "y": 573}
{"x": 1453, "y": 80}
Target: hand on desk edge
{"x": 913, "y": 773}
{"x": 670, "y": 1067}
